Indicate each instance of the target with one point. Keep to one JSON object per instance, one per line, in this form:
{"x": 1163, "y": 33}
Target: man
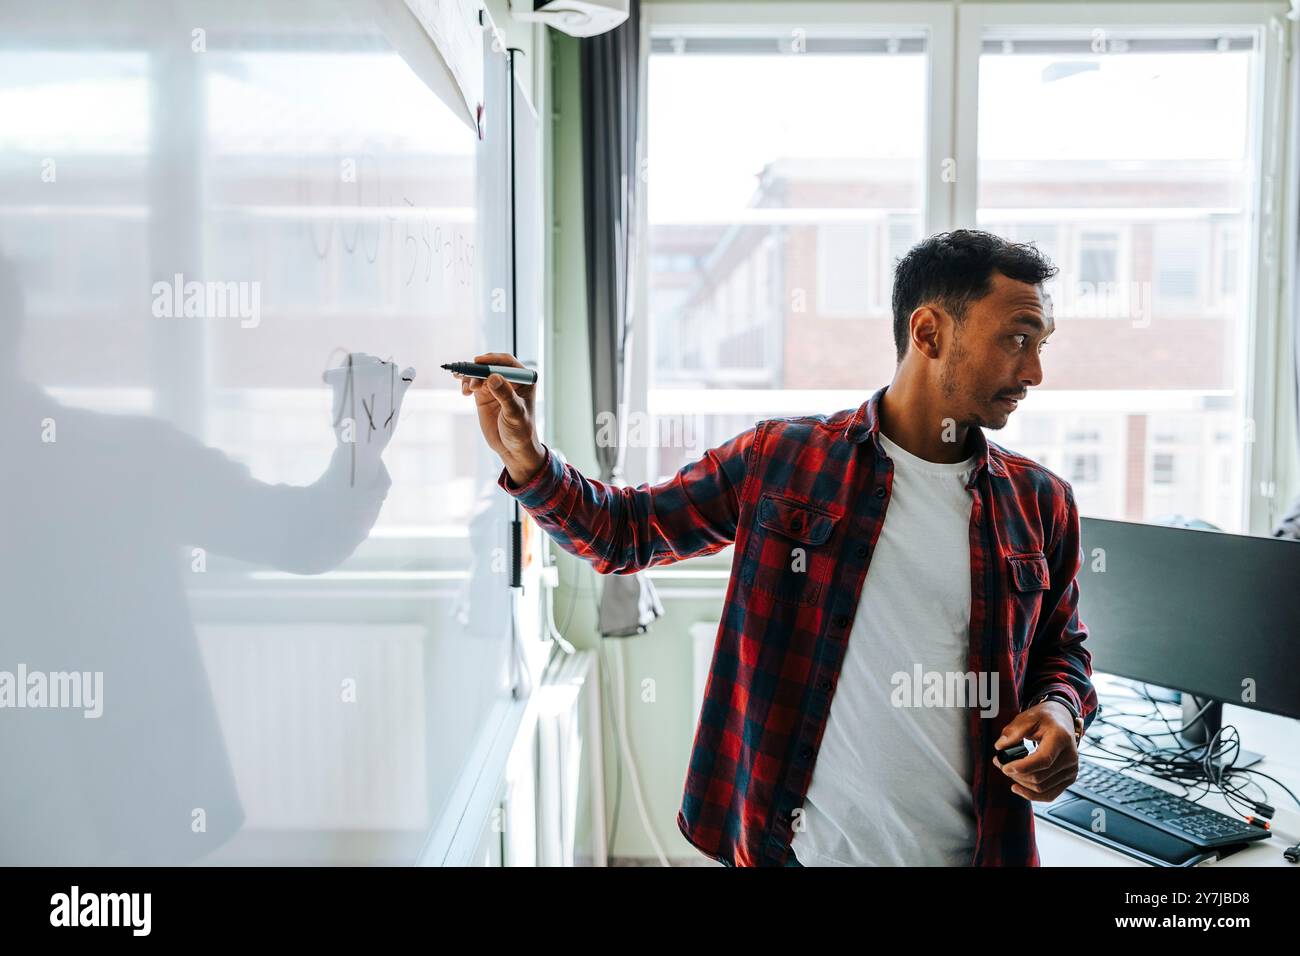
{"x": 811, "y": 749}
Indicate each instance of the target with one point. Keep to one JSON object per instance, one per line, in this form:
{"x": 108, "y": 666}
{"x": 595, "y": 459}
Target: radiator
{"x": 570, "y": 766}
{"x": 303, "y": 757}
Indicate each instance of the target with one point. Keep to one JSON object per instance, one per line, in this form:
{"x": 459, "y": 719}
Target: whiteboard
{"x": 297, "y": 656}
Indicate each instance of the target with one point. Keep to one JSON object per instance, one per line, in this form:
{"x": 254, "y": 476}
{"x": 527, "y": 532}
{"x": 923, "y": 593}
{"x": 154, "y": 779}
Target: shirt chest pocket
{"x": 787, "y": 557}
{"x": 1029, "y": 580}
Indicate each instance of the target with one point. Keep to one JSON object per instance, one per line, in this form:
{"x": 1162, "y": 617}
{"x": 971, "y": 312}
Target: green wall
{"x": 660, "y": 733}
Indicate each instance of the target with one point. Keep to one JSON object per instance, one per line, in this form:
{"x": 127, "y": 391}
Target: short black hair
{"x": 955, "y": 269}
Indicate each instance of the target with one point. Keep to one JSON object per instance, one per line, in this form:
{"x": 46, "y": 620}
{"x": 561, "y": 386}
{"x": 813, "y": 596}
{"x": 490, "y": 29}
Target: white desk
{"x": 1276, "y": 738}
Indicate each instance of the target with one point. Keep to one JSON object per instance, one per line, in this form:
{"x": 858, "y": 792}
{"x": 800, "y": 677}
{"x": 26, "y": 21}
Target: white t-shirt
{"x": 892, "y": 784}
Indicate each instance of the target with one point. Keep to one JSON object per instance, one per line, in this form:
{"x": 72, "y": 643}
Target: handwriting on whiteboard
{"x": 368, "y": 220}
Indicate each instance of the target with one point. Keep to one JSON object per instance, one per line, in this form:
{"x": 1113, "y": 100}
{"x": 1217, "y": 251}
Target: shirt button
{"x": 862, "y": 551}
{"x": 841, "y": 622}
{"x": 880, "y": 491}
{"x": 806, "y": 753}
{"x": 823, "y": 684}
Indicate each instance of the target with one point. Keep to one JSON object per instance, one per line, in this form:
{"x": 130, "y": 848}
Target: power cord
{"x": 1198, "y": 770}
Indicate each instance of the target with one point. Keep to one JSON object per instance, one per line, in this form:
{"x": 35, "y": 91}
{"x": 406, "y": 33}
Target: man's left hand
{"x": 1044, "y": 774}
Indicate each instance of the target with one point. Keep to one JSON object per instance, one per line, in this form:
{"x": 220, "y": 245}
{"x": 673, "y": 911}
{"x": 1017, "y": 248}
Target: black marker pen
{"x": 511, "y": 373}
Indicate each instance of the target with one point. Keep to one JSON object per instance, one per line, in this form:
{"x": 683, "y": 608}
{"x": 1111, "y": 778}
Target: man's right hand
{"x": 505, "y": 415}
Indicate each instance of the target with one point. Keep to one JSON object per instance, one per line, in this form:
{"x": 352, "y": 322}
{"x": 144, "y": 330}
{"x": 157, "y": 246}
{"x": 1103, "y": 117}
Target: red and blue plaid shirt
{"x": 822, "y": 483}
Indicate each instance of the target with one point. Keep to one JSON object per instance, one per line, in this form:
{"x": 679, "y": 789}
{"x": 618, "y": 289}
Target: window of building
{"x": 1098, "y": 258}
{"x": 1162, "y": 468}
{"x": 844, "y": 269}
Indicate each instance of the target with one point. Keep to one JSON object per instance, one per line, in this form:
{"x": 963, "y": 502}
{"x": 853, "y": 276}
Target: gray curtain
{"x": 612, "y": 96}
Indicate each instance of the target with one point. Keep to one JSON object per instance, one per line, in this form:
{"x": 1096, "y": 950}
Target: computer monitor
{"x": 1212, "y": 614}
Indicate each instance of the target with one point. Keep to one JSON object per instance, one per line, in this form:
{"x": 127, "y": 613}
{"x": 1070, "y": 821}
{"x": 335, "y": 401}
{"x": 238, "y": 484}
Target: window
{"x": 855, "y": 266}
{"x": 844, "y": 270}
{"x": 1162, "y": 468}
{"x": 1150, "y": 212}
{"x": 1083, "y": 468}
{"x": 1181, "y": 258}
{"x": 1098, "y": 258}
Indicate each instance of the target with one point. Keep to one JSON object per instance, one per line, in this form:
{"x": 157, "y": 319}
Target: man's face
{"x": 995, "y": 355}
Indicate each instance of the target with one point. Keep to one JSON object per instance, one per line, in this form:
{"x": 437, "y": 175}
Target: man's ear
{"x": 925, "y": 326}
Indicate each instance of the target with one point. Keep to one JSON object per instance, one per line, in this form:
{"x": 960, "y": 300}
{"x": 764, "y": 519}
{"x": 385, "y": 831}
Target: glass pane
{"x": 1142, "y": 206}
{"x": 778, "y": 203}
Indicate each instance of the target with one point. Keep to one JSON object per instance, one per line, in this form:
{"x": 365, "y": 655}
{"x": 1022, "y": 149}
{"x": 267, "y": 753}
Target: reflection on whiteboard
{"x": 267, "y": 564}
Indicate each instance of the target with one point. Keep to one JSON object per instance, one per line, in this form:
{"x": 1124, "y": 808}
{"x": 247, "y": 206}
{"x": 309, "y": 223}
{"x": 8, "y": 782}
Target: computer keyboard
{"x": 1168, "y": 812}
